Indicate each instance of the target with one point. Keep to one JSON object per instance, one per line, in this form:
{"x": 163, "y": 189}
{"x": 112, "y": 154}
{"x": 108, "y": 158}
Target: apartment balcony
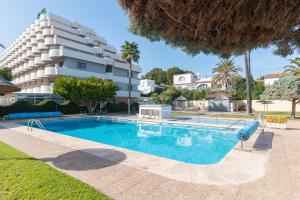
{"x": 40, "y": 74}
{"x": 32, "y": 32}
{"x": 38, "y": 29}
{"x": 39, "y": 37}
{"x": 21, "y": 79}
{"x": 45, "y": 57}
{"x": 50, "y": 71}
{"x": 27, "y": 37}
{"x": 35, "y": 50}
{"x": 17, "y": 80}
{"x": 47, "y": 32}
{"x": 54, "y": 53}
{"x": 31, "y": 64}
{"x": 27, "y": 77}
{"x": 28, "y": 45}
{"x": 20, "y": 51}
{"x": 36, "y": 89}
{"x": 33, "y": 75}
{"x": 24, "y": 57}
{"x": 36, "y": 22}
{"x": 37, "y": 61}
{"x": 26, "y": 66}
{"x": 29, "y": 53}
{"x": 46, "y": 89}
{"x": 29, "y": 90}
{"x": 34, "y": 41}
{"x": 24, "y": 48}
{"x": 49, "y": 41}
{"x": 41, "y": 46}
{"x": 43, "y": 17}
{"x": 44, "y": 24}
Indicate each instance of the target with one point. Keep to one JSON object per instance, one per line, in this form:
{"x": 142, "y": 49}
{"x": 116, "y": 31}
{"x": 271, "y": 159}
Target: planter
{"x": 275, "y": 125}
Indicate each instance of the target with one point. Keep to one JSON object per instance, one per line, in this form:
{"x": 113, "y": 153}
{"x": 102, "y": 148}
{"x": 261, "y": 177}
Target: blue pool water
{"x": 215, "y": 121}
{"x": 196, "y": 145}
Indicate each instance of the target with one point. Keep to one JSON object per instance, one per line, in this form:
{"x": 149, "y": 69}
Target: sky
{"x": 108, "y": 19}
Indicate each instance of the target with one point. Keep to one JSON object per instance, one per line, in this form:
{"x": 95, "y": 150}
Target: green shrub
{"x": 46, "y": 105}
{"x": 121, "y": 107}
{"x": 69, "y": 107}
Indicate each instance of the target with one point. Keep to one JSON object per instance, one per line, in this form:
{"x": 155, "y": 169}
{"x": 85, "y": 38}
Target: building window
{"x": 99, "y": 55}
{"x": 61, "y": 64}
{"x": 202, "y": 87}
{"x": 108, "y": 69}
{"x": 81, "y": 65}
{"x": 181, "y": 78}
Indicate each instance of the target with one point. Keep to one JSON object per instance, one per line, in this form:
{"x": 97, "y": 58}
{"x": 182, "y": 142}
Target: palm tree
{"x": 248, "y": 81}
{"x": 225, "y": 72}
{"x": 131, "y": 53}
{"x": 293, "y": 70}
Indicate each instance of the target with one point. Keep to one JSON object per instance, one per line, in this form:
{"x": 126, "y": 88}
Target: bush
{"x": 21, "y": 106}
{"x": 121, "y": 107}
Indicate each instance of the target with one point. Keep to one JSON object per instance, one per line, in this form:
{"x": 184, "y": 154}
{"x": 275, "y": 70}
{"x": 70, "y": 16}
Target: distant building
{"x": 272, "y": 77}
{"x": 147, "y": 86}
{"x": 191, "y": 81}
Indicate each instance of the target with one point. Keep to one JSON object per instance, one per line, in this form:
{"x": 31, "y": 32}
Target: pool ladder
{"x": 32, "y": 121}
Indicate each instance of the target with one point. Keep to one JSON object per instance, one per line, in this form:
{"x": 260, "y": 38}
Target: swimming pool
{"x": 217, "y": 121}
{"x": 195, "y": 145}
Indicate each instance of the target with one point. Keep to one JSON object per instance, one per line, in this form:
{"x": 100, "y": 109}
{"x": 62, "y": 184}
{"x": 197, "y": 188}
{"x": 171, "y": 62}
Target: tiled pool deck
{"x": 273, "y": 159}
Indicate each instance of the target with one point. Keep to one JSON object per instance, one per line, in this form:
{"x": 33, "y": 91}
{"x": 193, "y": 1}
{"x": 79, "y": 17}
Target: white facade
{"x": 155, "y": 111}
{"x": 54, "y": 46}
{"x": 190, "y": 81}
{"x": 146, "y": 86}
{"x": 271, "y": 78}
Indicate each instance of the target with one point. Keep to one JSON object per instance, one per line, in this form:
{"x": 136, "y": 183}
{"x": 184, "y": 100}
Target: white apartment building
{"x": 190, "y": 81}
{"x": 53, "y": 46}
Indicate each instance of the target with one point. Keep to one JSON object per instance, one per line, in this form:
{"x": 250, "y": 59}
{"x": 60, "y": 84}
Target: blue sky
{"x": 108, "y": 19}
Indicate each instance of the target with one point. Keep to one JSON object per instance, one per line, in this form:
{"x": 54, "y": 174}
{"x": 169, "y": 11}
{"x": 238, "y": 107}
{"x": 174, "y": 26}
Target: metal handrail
{"x": 234, "y": 123}
{"x": 38, "y": 123}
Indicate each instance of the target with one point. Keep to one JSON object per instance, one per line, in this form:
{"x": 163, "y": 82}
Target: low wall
{"x": 276, "y": 105}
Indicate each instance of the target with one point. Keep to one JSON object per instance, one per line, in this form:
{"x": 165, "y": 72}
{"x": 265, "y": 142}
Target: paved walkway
{"x": 282, "y": 180}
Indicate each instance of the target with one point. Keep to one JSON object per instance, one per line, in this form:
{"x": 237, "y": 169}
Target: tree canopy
{"x": 294, "y": 68}
{"x": 219, "y": 27}
{"x": 85, "y": 92}
{"x": 225, "y": 73}
{"x": 286, "y": 88}
{"x": 130, "y": 52}
{"x": 156, "y": 74}
{"x": 6, "y": 73}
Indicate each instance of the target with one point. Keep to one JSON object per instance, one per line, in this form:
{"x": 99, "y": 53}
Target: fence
{"x": 31, "y": 98}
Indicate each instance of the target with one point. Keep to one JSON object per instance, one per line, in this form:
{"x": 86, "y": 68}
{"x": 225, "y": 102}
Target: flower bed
{"x": 276, "y": 122}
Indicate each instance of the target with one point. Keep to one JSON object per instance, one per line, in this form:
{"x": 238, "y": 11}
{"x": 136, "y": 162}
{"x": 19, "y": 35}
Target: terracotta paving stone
{"x": 120, "y": 181}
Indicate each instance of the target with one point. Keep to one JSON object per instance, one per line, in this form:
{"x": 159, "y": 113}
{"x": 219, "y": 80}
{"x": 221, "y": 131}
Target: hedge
{"x": 121, "y": 107}
{"x": 66, "y": 107}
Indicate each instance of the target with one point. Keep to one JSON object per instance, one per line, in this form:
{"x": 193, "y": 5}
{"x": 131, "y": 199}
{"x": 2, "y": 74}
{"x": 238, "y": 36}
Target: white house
{"x": 54, "y": 46}
{"x": 146, "y": 86}
{"x": 191, "y": 81}
{"x": 272, "y": 77}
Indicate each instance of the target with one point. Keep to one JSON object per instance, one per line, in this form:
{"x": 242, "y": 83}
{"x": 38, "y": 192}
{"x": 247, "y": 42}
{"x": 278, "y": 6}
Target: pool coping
{"x": 237, "y": 167}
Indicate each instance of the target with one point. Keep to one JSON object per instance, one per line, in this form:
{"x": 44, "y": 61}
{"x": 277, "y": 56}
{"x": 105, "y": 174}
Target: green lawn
{"x": 23, "y": 177}
{"x": 233, "y": 115}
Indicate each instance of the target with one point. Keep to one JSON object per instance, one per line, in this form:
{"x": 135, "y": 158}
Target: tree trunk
{"x": 129, "y": 88}
{"x": 248, "y": 81}
{"x": 293, "y": 113}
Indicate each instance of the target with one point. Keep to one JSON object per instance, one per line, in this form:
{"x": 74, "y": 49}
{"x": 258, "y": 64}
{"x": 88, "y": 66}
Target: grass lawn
{"x": 23, "y": 177}
{"x": 234, "y": 115}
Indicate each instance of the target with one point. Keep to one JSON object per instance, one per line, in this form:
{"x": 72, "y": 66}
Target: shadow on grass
{"x": 87, "y": 159}
{"x": 16, "y": 159}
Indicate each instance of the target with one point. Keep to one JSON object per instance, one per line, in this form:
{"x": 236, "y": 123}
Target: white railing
{"x": 30, "y": 123}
